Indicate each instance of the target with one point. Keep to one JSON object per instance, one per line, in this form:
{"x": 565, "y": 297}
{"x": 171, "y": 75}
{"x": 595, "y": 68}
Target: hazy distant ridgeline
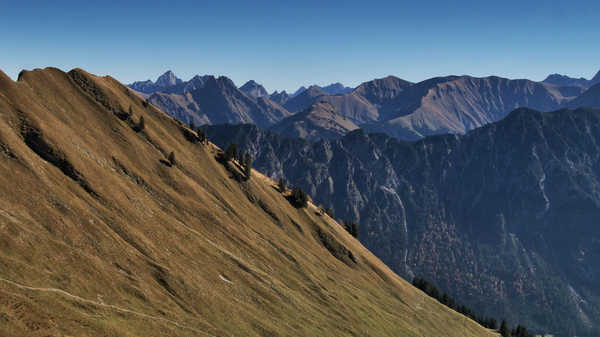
{"x": 405, "y": 110}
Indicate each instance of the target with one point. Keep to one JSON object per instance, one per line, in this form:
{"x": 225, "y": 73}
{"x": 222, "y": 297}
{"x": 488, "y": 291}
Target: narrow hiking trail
{"x": 104, "y": 305}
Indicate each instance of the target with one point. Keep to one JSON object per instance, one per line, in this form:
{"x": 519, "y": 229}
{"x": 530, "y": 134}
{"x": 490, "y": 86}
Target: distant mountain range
{"x": 332, "y": 89}
{"x": 254, "y": 89}
{"x": 164, "y": 81}
{"x": 402, "y": 109}
{"x": 590, "y": 98}
{"x": 563, "y": 80}
{"x": 215, "y": 100}
{"x": 319, "y": 121}
{"x": 504, "y": 216}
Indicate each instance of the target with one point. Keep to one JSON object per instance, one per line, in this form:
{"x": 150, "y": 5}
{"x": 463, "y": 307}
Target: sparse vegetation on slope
{"x": 161, "y": 251}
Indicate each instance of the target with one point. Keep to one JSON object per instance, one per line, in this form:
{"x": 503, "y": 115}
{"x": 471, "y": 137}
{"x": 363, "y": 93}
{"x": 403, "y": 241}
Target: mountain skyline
{"x": 399, "y": 108}
{"x": 335, "y": 87}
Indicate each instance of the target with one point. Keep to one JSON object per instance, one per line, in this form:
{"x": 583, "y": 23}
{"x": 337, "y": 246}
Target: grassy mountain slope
{"x": 100, "y": 235}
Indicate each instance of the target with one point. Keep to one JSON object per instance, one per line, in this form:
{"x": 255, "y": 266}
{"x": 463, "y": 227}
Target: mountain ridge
{"x": 112, "y": 228}
{"x": 564, "y": 80}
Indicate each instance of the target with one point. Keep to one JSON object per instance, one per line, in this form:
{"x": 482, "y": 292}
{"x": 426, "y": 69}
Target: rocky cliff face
{"x": 504, "y": 217}
{"x": 279, "y": 97}
{"x": 254, "y": 89}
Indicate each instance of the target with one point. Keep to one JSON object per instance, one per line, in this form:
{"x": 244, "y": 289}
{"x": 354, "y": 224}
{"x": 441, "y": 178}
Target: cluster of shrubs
{"x": 298, "y": 198}
{"x": 351, "y": 227}
{"x": 245, "y": 159}
{"x": 488, "y": 322}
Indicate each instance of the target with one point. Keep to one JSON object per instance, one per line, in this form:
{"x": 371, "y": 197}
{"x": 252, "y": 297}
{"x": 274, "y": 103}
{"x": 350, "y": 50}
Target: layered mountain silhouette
{"x": 319, "y": 121}
{"x": 298, "y": 92}
{"x": 504, "y": 217}
{"x": 336, "y": 88}
{"x": 117, "y": 220}
{"x": 405, "y": 110}
{"x": 217, "y": 100}
{"x": 563, "y": 80}
{"x": 590, "y": 98}
{"x": 279, "y": 97}
{"x": 457, "y": 104}
{"x": 164, "y": 81}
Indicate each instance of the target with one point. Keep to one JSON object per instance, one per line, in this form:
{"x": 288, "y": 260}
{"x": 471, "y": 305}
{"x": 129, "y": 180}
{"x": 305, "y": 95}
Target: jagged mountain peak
{"x": 298, "y": 92}
{"x": 254, "y": 89}
{"x": 167, "y": 79}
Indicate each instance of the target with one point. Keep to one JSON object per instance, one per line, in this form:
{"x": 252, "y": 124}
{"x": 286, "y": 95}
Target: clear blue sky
{"x": 283, "y": 45}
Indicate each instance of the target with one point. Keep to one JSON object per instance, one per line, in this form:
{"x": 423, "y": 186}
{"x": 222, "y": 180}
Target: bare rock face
{"x": 164, "y": 81}
{"x": 319, "y": 121}
{"x": 504, "y": 217}
{"x": 254, "y": 89}
{"x": 460, "y": 104}
{"x": 279, "y": 97}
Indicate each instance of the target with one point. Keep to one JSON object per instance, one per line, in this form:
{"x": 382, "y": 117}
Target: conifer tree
{"x": 247, "y": 162}
{"x": 140, "y": 125}
{"x": 281, "y": 185}
{"x": 231, "y": 152}
{"x": 201, "y": 135}
{"x": 504, "y": 330}
{"x": 299, "y": 198}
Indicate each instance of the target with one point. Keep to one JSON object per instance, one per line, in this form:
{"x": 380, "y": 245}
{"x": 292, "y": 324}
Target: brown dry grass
{"x": 152, "y": 250}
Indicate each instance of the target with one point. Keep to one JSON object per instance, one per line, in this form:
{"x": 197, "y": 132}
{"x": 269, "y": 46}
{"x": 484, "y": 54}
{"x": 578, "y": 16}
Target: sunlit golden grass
{"x": 104, "y": 239}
